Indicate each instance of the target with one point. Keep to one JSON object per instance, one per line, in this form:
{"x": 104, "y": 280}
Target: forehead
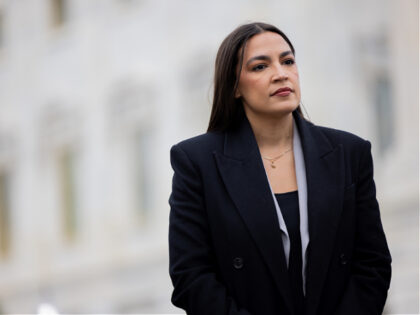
{"x": 265, "y": 44}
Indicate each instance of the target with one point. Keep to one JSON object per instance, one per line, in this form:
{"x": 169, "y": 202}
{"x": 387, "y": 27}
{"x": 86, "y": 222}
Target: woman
{"x": 271, "y": 214}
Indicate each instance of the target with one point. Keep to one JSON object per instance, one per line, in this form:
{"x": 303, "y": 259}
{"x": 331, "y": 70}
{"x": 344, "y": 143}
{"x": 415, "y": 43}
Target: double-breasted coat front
{"x": 225, "y": 244}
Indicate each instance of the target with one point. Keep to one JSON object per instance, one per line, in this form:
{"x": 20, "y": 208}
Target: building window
{"x": 4, "y": 215}
{"x": 67, "y": 193}
{"x": 132, "y": 121}
{"x": 197, "y": 78}
{"x": 1, "y": 28}
{"x": 384, "y": 112}
{"x": 58, "y": 12}
{"x": 143, "y": 179}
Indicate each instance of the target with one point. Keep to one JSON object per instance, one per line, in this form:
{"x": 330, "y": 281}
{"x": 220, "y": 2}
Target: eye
{"x": 289, "y": 62}
{"x": 259, "y": 67}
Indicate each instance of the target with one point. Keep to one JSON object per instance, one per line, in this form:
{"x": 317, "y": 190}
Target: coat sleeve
{"x": 371, "y": 262}
{"x": 191, "y": 257}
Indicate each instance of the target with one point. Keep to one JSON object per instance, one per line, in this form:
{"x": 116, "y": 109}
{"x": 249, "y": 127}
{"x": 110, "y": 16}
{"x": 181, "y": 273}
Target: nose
{"x": 280, "y": 73}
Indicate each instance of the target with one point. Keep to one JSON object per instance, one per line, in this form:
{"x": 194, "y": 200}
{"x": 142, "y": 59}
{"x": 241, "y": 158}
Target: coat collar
{"x": 244, "y": 176}
{"x": 240, "y": 143}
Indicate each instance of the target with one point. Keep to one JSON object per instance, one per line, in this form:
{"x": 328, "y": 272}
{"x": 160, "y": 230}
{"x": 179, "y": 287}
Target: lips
{"x": 282, "y": 91}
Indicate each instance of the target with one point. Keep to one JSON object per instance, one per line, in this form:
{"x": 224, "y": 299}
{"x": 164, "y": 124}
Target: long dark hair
{"x": 227, "y": 111}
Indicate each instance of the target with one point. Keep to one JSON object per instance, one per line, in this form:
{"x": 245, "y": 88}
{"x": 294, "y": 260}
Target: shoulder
{"x": 200, "y": 147}
{"x": 345, "y": 138}
{"x": 205, "y": 140}
{"x": 355, "y": 148}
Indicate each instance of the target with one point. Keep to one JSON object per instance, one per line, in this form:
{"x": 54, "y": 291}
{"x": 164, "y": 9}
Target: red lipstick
{"x": 285, "y": 91}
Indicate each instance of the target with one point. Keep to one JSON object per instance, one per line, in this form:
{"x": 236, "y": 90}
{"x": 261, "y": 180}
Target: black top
{"x": 289, "y": 206}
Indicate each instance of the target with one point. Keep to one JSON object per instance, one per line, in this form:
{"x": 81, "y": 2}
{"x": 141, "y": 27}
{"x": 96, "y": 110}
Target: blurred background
{"x": 93, "y": 93}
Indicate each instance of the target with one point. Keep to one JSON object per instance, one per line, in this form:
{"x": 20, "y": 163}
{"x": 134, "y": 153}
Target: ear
{"x": 237, "y": 93}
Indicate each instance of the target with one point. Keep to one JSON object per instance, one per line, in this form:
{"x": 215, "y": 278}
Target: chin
{"x": 285, "y": 108}
{"x": 279, "y": 109}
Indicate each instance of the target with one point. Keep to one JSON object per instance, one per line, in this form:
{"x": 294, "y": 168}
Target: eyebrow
{"x": 264, "y": 57}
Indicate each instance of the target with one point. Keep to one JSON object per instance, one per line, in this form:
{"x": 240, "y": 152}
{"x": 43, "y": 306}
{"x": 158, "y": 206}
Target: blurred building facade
{"x": 94, "y": 93}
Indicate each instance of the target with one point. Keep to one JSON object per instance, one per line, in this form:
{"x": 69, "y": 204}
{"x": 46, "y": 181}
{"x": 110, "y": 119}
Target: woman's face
{"x": 269, "y": 80}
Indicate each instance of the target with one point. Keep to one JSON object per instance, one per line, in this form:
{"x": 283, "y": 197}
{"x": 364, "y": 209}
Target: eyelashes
{"x": 289, "y": 61}
{"x": 262, "y": 66}
{"x": 259, "y": 67}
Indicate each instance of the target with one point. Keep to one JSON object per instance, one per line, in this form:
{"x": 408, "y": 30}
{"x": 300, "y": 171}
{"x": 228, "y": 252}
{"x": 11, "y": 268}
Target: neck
{"x": 273, "y": 134}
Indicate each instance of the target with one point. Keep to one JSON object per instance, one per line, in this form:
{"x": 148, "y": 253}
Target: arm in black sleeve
{"x": 371, "y": 262}
{"x": 192, "y": 261}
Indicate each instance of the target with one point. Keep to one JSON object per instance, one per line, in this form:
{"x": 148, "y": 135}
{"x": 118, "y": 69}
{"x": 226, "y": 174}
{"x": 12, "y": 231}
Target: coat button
{"x": 238, "y": 263}
{"x": 343, "y": 259}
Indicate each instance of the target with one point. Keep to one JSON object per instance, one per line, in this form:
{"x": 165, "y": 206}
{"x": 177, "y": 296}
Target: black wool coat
{"x": 225, "y": 244}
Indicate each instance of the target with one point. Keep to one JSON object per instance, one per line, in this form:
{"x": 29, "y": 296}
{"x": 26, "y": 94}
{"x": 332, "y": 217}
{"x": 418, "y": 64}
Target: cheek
{"x": 296, "y": 79}
{"x": 251, "y": 86}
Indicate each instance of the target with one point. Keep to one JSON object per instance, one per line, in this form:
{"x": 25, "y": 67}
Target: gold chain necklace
{"x": 272, "y": 160}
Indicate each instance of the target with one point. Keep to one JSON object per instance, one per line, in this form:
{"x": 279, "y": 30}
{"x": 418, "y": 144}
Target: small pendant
{"x": 273, "y": 166}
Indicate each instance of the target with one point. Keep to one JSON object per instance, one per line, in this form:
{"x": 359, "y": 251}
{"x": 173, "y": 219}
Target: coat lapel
{"x": 244, "y": 176}
{"x": 245, "y": 179}
{"x": 325, "y": 185}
